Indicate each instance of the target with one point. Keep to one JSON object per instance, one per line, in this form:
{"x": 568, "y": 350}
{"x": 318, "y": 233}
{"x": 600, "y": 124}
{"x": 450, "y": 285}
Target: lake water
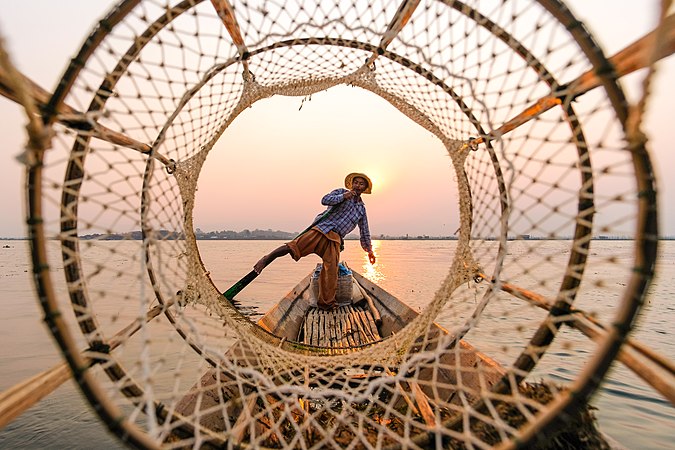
{"x": 628, "y": 410}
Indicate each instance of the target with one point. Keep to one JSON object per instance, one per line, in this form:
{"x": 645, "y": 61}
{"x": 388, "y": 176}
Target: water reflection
{"x": 372, "y": 272}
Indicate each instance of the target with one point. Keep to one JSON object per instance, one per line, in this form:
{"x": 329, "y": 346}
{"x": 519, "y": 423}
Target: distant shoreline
{"x": 127, "y": 237}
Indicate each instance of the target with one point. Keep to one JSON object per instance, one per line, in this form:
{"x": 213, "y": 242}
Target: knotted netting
{"x": 537, "y": 130}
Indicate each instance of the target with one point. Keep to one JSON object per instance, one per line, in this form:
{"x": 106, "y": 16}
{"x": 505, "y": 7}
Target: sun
{"x": 378, "y": 178}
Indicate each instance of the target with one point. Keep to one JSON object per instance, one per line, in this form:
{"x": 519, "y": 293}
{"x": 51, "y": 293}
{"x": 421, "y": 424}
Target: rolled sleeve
{"x": 364, "y": 233}
{"x": 334, "y": 197}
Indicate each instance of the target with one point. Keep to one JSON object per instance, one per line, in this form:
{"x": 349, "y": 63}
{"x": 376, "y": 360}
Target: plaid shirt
{"x": 344, "y": 216}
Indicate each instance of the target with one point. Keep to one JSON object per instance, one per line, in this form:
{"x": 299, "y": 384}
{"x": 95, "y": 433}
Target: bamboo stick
{"x": 315, "y": 329}
{"x": 657, "y": 376}
{"x": 370, "y": 324}
{"x": 400, "y": 19}
{"x": 17, "y": 399}
{"x": 226, "y": 14}
{"x": 239, "y": 429}
{"x": 356, "y": 329}
{"x": 335, "y": 329}
{"x": 365, "y": 335}
{"x": 643, "y": 361}
{"x": 366, "y": 326}
{"x": 635, "y": 56}
{"x": 345, "y": 329}
{"x": 329, "y": 329}
{"x": 302, "y": 332}
{"x": 632, "y": 58}
{"x": 404, "y": 394}
{"x": 348, "y": 327}
{"x": 341, "y": 330}
{"x": 322, "y": 329}
{"x": 37, "y": 138}
{"x": 373, "y": 326}
{"x": 371, "y": 305}
{"x": 75, "y": 119}
{"x": 423, "y": 403}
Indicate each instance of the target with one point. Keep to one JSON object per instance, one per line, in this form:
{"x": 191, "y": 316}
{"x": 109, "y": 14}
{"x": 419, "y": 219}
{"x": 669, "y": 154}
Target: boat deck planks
{"x": 347, "y": 326}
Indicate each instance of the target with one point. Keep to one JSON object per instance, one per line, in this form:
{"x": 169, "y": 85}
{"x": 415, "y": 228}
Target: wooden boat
{"x": 373, "y": 315}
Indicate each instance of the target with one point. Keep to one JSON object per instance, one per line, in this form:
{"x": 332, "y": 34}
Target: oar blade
{"x": 239, "y": 286}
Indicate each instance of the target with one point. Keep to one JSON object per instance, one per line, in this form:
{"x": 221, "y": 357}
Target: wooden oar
{"x": 239, "y": 286}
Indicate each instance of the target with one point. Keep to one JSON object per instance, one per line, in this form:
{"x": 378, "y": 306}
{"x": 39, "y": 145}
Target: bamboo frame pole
{"x": 371, "y": 304}
{"x": 17, "y": 399}
{"x": 423, "y": 402}
{"x": 226, "y": 14}
{"x": 403, "y": 14}
{"x": 632, "y": 58}
{"x": 650, "y": 366}
{"x": 72, "y": 118}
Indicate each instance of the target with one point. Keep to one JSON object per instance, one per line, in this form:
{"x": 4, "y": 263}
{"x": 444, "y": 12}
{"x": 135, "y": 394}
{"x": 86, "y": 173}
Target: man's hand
{"x": 371, "y": 257}
{"x": 349, "y": 194}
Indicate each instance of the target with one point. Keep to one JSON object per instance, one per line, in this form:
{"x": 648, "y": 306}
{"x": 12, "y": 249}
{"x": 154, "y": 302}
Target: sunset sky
{"x": 42, "y": 36}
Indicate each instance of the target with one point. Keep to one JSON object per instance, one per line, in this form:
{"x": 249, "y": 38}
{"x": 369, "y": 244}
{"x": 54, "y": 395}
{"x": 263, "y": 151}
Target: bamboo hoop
{"x": 656, "y": 370}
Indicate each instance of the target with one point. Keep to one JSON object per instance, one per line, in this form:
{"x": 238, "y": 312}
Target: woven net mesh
{"x": 537, "y": 150}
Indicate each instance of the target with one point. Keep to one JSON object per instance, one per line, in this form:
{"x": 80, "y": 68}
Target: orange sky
{"x": 414, "y": 183}
{"x": 299, "y": 159}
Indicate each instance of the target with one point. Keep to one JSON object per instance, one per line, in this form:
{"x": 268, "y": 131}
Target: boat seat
{"x": 345, "y": 327}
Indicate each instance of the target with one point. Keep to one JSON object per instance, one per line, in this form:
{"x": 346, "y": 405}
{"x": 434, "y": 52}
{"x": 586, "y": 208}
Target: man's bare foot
{"x": 260, "y": 265}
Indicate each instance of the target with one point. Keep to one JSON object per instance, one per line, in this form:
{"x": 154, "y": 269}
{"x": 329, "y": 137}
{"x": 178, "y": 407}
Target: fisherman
{"x": 325, "y": 236}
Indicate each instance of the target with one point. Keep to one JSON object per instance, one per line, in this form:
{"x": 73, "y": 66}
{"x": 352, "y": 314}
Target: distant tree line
{"x": 256, "y": 234}
{"x": 270, "y": 234}
{"x": 245, "y": 234}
